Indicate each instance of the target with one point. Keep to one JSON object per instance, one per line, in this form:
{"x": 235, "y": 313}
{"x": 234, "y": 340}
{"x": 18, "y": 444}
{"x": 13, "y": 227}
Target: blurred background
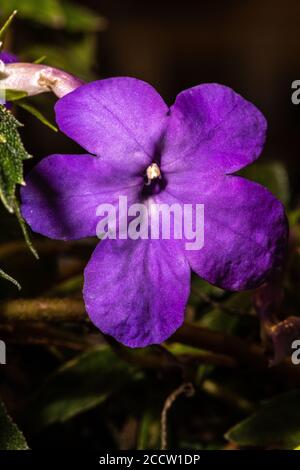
{"x": 66, "y": 385}
{"x": 251, "y": 46}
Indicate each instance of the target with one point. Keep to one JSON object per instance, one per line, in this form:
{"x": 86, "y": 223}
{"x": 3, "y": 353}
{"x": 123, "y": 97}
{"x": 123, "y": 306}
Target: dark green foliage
{"x": 11, "y": 438}
{"x": 12, "y": 155}
{"x": 276, "y": 423}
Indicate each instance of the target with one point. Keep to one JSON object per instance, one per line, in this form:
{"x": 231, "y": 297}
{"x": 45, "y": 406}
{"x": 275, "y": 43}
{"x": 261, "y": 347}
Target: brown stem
{"x": 72, "y": 310}
{"x": 40, "y": 333}
{"x": 247, "y": 355}
{"x": 221, "y": 343}
{"x": 186, "y": 389}
{"x": 219, "y": 360}
{"x": 43, "y": 309}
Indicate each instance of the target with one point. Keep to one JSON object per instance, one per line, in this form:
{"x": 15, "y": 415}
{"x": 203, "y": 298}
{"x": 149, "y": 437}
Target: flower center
{"x": 154, "y": 181}
{"x": 152, "y": 173}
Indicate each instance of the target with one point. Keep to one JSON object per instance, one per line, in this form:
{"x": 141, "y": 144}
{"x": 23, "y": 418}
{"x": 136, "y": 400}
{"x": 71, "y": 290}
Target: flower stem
{"x": 186, "y": 389}
{"x": 42, "y": 309}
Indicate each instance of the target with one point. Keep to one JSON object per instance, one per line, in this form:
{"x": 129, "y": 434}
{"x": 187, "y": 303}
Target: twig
{"x": 186, "y": 389}
{"x": 72, "y": 310}
{"x": 38, "y": 333}
{"x": 6, "y": 276}
{"x": 222, "y": 343}
{"x": 219, "y": 360}
{"x": 43, "y": 309}
{"x": 250, "y": 355}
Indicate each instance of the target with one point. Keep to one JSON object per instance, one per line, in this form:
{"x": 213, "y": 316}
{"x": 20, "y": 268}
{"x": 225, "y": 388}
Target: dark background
{"x": 250, "y": 45}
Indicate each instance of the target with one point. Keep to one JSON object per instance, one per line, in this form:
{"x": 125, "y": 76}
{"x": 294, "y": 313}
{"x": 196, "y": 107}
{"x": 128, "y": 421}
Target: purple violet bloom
{"x": 137, "y": 290}
{"x": 8, "y": 58}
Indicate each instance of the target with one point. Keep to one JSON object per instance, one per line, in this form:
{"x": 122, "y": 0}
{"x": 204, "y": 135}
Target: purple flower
{"x": 136, "y": 290}
{"x": 8, "y": 58}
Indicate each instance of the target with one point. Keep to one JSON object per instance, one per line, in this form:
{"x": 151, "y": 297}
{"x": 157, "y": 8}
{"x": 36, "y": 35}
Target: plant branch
{"x": 43, "y": 309}
{"x": 222, "y": 343}
{"x": 186, "y": 389}
{"x": 247, "y": 355}
{"x": 251, "y": 356}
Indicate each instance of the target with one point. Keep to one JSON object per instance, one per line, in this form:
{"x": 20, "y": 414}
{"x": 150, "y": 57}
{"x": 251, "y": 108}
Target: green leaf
{"x": 6, "y": 276}
{"x": 271, "y": 175}
{"x": 40, "y": 59}
{"x": 81, "y": 19}
{"x": 276, "y": 423}
{"x": 36, "y": 113}
{"x": 294, "y": 217}
{"x": 46, "y": 12}
{"x": 81, "y": 384}
{"x": 67, "y": 287}
{"x": 12, "y": 154}
{"x": 149, "y": 429}
{"x": 226, "y": 315}
{"x": 23, "y": 226}
{"x": 56, "y": 14}
{"x": 14, "y": 95}
{"x": 11, "y": 438}
{"x": 201, "y": 291}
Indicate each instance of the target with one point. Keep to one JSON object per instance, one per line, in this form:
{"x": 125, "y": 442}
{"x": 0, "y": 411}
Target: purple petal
{"x": 245, "y": 231}
{"x": 211, "y": 126}
{"x": 136, "y": 290}
{"x": 8, "y": 58}
{"x": 62, "y": 194}
{"x": 120, "y": 119}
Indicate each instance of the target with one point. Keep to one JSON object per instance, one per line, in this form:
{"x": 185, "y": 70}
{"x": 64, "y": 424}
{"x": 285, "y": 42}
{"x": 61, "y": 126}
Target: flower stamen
{"x": 152, "y": 173}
